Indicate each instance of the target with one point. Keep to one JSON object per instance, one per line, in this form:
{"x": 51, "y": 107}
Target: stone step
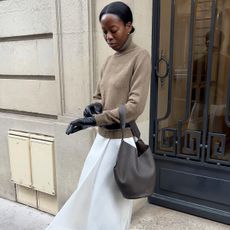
{"x": 152, "y": 217}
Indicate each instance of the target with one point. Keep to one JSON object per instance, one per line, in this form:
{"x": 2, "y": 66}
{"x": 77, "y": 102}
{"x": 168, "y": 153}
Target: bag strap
{"x": 135, "y": 130}
{"x": 122, "y": 119}
{"x": 133, "y": 126}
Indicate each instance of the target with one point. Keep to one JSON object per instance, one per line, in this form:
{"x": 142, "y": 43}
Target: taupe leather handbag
{"x": 134, "y": 171}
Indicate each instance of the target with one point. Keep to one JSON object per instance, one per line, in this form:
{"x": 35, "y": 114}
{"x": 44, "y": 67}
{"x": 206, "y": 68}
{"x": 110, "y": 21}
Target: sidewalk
{"x": 14, "y": 216}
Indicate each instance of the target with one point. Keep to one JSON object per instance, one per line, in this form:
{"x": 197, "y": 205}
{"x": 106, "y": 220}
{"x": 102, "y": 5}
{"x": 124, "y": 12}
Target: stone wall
{"x": 51, "y": 52}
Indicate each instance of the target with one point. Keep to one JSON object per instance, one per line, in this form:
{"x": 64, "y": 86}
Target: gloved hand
{"x": 80, "y": 124}
{"x": 94, "y": 108}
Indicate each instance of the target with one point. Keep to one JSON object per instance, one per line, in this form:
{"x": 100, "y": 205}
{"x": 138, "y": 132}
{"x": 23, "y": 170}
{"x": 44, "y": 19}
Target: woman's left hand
{"x": 94, "y": 108}
{"x": 80, "y": 124}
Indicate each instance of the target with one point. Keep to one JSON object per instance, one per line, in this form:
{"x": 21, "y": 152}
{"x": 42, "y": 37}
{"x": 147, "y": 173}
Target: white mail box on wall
{"x": 26, "y": 196}
{"x": 42, "y": 164}
{"x": 19, "y": 153}
{"x": 32, "y": 161}
{"x": 33, "y": 169}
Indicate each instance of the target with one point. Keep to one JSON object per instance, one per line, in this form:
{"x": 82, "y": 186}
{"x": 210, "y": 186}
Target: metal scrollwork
{"x": 168, "y": 138}
{"x": 162, "y": 76}
{"x": 192, "y": 142}
{"x": 226, "y": 115}
{"x": 216, "y": 146}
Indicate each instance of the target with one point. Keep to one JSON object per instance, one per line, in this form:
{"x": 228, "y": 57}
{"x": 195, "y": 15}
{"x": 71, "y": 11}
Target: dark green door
{"x": 190, "y": 106}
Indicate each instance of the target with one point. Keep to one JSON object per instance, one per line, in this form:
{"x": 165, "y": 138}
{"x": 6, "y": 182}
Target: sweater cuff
{"x": 99, "y": 119}
{"x": 97, "y": 101}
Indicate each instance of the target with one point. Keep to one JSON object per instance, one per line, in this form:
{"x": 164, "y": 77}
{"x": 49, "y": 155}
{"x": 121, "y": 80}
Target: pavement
{"x": 15, "y": 216}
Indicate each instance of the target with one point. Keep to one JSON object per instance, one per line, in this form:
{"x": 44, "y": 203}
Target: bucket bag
{"x": 134, "y": 171}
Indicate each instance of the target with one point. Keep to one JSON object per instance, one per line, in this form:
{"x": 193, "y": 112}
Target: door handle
{"x": 160, "y": 60}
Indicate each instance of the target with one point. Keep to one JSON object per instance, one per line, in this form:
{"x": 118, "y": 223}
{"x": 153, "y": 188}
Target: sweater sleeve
{"x": 139, "y": 87}
{"x": 97, "y": 94}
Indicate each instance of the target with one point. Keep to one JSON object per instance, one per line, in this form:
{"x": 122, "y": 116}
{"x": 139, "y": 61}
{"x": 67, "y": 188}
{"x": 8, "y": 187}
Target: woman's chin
{"x": 114, "y": 47}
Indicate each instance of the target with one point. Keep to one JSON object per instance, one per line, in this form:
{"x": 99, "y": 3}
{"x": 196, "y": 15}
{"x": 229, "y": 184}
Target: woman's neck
{"x": 126, "y": 44}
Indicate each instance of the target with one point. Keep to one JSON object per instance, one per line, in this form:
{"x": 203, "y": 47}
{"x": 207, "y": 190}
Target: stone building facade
{"x": 51, "y": 52}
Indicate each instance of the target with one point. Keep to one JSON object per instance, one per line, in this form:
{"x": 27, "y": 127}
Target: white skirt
{"x": 97, "y": 203}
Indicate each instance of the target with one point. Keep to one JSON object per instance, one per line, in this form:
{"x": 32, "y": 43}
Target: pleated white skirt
{"x": 97, "y": 203}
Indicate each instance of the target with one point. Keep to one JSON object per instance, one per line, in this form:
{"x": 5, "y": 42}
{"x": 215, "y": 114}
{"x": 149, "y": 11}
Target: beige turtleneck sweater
{"x": 125, "y": 79}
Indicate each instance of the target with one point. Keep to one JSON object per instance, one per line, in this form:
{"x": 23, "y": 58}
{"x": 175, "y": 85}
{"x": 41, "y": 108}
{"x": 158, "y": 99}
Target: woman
{"x": 97, "y": 203}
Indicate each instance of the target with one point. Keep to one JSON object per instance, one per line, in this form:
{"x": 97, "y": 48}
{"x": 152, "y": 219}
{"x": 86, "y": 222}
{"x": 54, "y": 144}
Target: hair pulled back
{"x": 121, "y": 10}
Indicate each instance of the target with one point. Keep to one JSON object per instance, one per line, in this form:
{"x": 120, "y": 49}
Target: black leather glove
{"x": 80, "y": 124}
{"x": 94, "y": 108}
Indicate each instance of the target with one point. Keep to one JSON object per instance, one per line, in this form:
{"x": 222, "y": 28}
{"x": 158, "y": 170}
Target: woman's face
{"x": 115, "y": 31}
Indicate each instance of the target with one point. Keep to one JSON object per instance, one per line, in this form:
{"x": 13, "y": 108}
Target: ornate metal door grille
{"x": 190, "y": 106}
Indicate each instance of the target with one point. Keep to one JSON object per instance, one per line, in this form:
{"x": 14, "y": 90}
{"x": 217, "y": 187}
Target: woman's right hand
{"x": 80, "y": 124}
{"x": 94, "y": 108}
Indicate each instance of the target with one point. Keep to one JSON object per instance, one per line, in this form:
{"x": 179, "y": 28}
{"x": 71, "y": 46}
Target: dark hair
{"x": 121, "y": 10}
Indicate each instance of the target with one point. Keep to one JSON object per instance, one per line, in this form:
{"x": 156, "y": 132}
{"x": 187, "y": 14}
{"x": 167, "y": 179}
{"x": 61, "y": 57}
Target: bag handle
{"x": 122, "y": 116}
{"x": 134, "y": 128}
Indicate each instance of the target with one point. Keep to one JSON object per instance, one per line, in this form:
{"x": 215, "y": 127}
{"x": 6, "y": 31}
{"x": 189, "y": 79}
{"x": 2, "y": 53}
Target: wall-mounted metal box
{"x": 32, "y": 161}
{"x": 42, "y": 163}
{"x": 47, "y": 203}
{"x": 26, "y": 196}
{"x": 19, "y": 153}
{"x": 33, "y": 169}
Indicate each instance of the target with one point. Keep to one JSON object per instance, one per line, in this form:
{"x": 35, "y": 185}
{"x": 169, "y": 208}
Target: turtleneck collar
{"x": 127, "y": 45}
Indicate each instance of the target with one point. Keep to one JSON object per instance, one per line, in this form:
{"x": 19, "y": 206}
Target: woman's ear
{"x": 129, "y": 26}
